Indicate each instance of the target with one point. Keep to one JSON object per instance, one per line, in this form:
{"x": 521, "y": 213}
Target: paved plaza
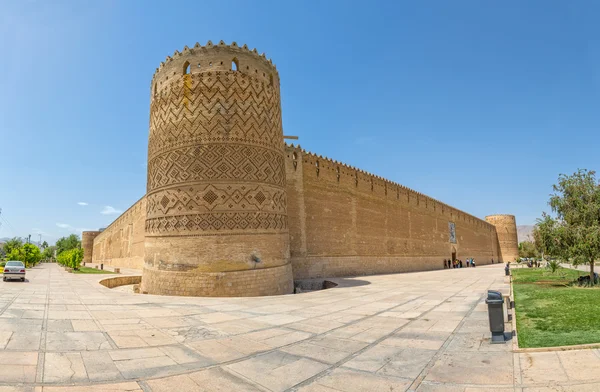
{"x": 423, "y": 331}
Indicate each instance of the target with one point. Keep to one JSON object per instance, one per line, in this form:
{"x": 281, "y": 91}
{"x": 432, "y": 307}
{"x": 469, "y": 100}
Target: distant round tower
{"x": 508, "y": 243}
{"x": 87, "y": 244}
{"x": 216, "y": 220}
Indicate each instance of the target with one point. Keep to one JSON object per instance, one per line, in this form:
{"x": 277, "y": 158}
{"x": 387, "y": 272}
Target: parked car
{"x": 14, "y": 270}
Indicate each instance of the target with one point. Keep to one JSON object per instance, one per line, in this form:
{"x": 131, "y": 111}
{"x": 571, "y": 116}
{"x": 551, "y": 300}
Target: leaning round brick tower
{"x": 216, "y": 220}
{"x": 508, "y": 242}
{"x": 87, "y": 244}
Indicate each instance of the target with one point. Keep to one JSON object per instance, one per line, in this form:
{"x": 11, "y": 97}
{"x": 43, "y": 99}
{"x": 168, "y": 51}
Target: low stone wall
{"x": 120, "y": 281}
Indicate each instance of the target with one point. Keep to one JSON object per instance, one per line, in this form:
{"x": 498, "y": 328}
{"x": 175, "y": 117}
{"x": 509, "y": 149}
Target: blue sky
{"x": 478, "y": 104}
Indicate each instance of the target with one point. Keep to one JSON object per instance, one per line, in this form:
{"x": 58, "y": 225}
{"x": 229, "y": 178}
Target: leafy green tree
{"x": 67, "y": 243}
{"x": 16, "y": 254}
{"x": 29, "y": 254}
{"x": 44, "y": 245}
{"x": 71, "y": 258}
{"x": 527, "y": 249}
{"x": 33, "y": 255}
{"x": 11, "y": 244}
{"x": 574, "y": 234}
{"x": 48, "y": 253}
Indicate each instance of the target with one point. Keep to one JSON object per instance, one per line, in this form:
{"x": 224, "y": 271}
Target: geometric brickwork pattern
{"x": 216, "y": 223}
{"x": 213, "y": 107}
{"x": 216, "y": 162}
{"x": 197, "y": 207}
{"x": 215, "y": 157}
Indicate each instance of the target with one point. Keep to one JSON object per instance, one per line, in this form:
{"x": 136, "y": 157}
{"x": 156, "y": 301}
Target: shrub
{"x": 71, "y": 258}
{"x": 553, "y": 265}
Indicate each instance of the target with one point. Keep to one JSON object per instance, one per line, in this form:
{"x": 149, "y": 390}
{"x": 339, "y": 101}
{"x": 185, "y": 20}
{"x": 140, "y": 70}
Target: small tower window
{"x": 198, "y": 65}
{"x": 186, "y": 68}
{"x": 155, "y": 90}
{"x": 270, "y": 79}
{"x": 234, "y": 65}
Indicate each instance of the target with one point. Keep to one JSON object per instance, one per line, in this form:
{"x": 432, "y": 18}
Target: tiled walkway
{"x": 421, "y": 331}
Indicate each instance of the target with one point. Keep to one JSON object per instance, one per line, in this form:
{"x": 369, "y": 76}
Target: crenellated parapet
{"x": 331, "y": 170}
{"x": 211, "y": 58}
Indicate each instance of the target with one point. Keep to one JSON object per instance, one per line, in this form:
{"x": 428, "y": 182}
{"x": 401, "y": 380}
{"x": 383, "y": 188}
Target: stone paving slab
{"x": 423, "y": 331}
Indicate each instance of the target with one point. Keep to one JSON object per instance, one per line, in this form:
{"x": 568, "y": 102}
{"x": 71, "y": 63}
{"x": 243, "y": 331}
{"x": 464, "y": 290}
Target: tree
{"x": 67, "y": 243}
{"x": 48, "y": 253}
{"x": 33, "y": 255}
{"x": 527, "y": 249}
{"x": 71, "y": 258}
{"x": 29, "y": 254}
{"x": 11, "y": 244}
{"x": 574, "y": 234}
{"x": 44, "y": 245}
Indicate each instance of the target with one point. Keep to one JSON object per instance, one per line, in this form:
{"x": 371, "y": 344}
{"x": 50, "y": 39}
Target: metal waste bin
{"x": 507, "y": 270}
{"x": 495, "y": 304}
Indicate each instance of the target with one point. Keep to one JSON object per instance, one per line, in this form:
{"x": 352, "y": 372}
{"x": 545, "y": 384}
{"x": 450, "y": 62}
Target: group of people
{"x": 459, "y": 263}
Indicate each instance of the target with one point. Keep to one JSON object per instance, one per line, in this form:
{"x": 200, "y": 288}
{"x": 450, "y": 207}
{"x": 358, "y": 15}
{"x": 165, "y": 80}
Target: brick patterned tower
{"x": 216, "y": 220}
{"x": 87, "y": 244}
{"x": 508, "y": 242}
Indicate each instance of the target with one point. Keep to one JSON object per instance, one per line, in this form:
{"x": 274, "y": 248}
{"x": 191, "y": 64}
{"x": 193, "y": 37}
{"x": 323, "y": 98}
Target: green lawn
{"x": 550, "y": 312}
{"x": 88, "y": 270}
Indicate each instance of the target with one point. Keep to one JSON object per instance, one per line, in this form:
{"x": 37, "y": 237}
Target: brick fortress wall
{"x": 346, "y": 222}
{"x": 230, "y": 210}
{"x": 122, "y": 243}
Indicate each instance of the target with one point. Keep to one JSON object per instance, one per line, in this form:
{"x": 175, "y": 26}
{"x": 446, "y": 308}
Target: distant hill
{"x": 525, "y": 233}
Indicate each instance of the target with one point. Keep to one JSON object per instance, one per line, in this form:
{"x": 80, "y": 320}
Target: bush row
{"x": 70, "y": 258}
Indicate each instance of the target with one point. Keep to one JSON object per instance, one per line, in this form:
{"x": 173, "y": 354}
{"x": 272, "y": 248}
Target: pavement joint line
{"x": 39, "y": 375}
{"x": 373, "y": 344}
{"x": 419, "y": 379}
{"x": 359, "y": 308}
{"x": 259, "y": 353}
{"x": 562, "y": 366}
{"x": 251, "y": 382}
{"x": 144, "y": 386}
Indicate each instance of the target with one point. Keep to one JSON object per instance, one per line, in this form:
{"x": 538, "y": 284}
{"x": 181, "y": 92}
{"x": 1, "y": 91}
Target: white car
{"x": 14, "y": 270}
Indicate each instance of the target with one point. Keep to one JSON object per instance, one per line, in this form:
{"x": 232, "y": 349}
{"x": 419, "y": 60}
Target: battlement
{"x": 500, "y": 218}
{"x": 380, "y": 185}
{"x": 214, "y": 58}
{"x": 90, "y": 233}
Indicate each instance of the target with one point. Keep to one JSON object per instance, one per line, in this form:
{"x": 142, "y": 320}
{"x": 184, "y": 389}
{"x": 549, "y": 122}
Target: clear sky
{"x": 478, "y": 104}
